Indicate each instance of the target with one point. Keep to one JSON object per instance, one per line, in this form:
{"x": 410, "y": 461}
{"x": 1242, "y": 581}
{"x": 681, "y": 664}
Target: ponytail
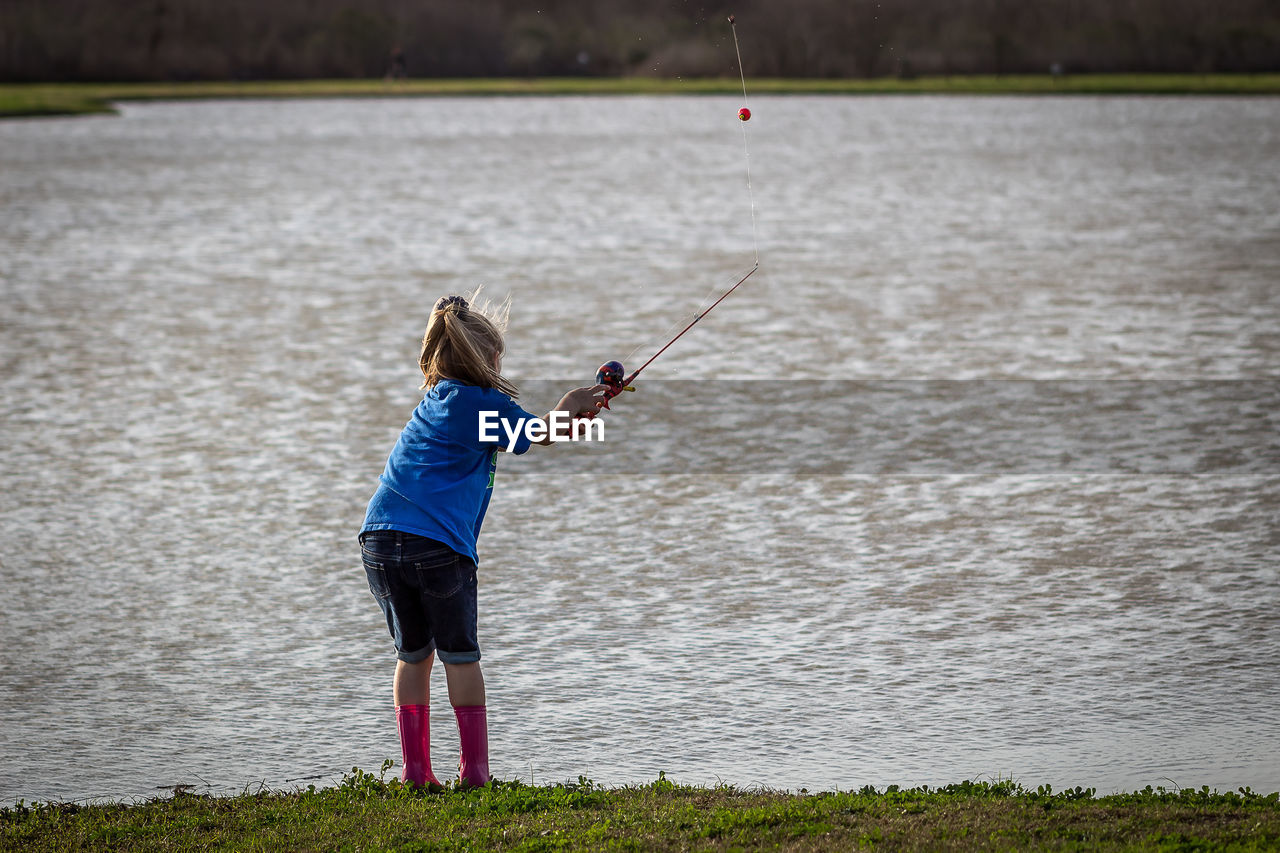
{"x": 461, "y": 343}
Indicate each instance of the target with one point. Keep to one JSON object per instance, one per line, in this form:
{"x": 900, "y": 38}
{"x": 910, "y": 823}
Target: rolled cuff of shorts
{"x": 458, "y": 657}
{"x": 419, "y": 656}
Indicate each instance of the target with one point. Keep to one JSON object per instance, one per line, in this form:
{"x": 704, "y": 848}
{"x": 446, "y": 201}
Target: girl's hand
{"x": 578, "y": 403}
{"x": 583, "y": 401}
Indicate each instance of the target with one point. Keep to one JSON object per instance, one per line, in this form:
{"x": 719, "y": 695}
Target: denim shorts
{"x": 427, "y": 591}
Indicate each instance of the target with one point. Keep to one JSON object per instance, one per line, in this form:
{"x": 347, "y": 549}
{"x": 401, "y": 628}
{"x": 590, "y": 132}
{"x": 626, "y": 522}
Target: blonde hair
{"x": 462, "y": 340}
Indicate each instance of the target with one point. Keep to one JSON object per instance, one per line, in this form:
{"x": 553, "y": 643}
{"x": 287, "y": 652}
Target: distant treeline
{"x": 122, "y": 40}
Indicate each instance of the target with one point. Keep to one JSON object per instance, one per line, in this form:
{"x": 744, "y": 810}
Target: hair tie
{"x": 446, "y": 301}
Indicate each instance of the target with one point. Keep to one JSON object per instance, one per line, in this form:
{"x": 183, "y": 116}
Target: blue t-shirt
{"x": 439, "y": 477}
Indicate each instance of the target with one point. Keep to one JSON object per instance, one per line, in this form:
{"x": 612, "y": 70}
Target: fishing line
{"x": 745, "y": 115}
{"x": 611, "y": 373}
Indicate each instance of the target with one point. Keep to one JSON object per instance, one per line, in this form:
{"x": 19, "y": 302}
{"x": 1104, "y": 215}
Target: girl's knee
{"x": 425, "y": 663}
{"x": 461, "y": 668}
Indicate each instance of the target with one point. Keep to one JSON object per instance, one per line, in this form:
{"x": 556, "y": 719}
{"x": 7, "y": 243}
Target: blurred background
{"x": 130, "y": 40}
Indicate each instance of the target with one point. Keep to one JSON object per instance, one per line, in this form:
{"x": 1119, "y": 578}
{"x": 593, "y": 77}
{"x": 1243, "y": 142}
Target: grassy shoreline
{"x": 48, "y": 99}
{"x": 365, "y": 812}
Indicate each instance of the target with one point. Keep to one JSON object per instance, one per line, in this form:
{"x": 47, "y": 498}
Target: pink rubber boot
{"x": 414, "y": 722}
{"x": 473, "y": 732}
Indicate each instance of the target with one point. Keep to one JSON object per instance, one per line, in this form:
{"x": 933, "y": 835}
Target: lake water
{"x": 978, "y": 476}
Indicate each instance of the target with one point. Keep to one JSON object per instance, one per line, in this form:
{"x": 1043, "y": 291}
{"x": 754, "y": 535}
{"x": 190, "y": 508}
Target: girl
{"x": 418, "y": 542}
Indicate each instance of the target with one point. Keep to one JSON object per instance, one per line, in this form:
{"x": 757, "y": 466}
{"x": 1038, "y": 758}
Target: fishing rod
{"x": 612, "y": 374}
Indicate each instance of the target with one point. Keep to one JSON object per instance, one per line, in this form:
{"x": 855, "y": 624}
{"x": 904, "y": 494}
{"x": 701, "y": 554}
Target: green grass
{"x": 36, "y": 99}
{"x": 366, "y": 813}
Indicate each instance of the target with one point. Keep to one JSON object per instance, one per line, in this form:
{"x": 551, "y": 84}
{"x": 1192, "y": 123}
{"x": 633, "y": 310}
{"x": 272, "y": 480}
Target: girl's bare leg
{"x": 466, "y": 684}
{"x": 413, "y": 682}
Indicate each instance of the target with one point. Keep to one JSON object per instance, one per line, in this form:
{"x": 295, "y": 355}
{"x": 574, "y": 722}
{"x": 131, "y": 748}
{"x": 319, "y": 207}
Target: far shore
{"x": 55, "y": 99}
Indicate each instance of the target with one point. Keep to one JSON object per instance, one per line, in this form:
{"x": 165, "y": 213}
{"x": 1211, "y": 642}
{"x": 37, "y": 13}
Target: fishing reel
{"x": 611, "y": 374}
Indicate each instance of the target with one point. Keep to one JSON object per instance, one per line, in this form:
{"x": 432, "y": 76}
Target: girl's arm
{"x": 577, "y": 403}
{"x": 580, "y": 402}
